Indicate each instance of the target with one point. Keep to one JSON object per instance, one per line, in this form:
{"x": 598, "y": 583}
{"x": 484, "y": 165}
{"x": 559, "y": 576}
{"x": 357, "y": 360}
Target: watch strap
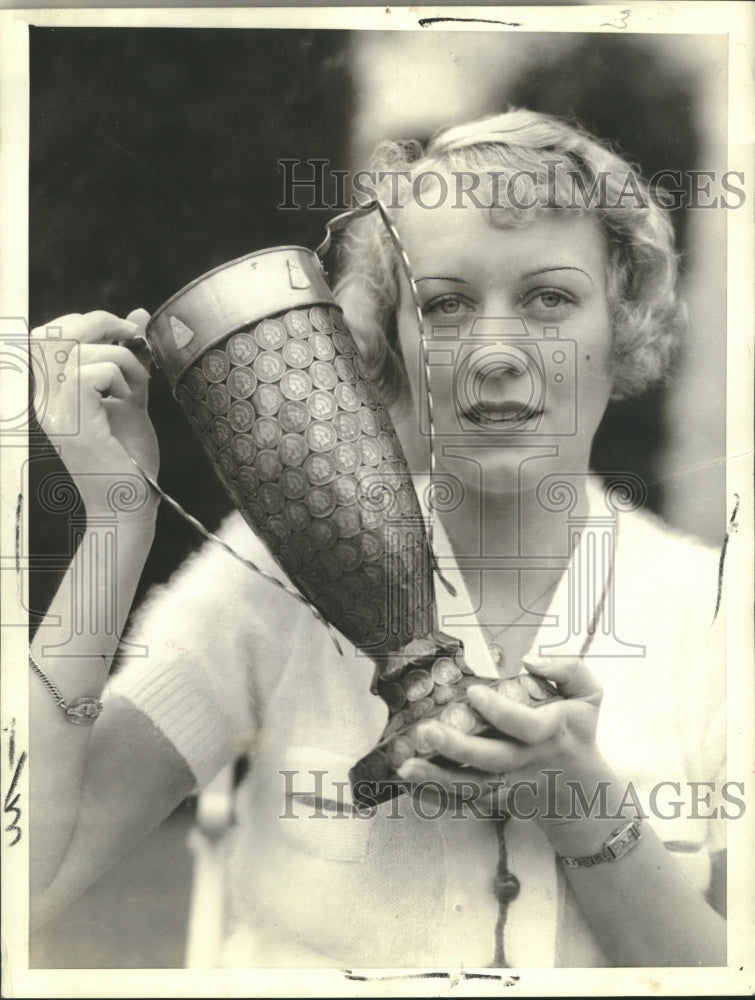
{"x": 618, "y": 844}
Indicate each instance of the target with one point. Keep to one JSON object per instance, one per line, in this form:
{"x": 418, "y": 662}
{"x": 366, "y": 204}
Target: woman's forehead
{"x": 458, "y": 234}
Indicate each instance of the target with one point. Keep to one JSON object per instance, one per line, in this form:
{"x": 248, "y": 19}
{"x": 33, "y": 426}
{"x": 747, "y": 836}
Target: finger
{"x": 104, "y": 379}
{"x": 521, "y": 722}
{"x": 479, "y": 791}
{"x": 419, "y": 769}
{"x": 134, "y": 372}
{"x": 92, "y": 327}
{"x": 569, "y": 674}
{"x": 478, "y": 751}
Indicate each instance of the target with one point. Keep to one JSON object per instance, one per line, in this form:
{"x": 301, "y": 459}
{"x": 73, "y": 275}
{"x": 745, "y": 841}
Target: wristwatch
{"x": 618, "y": 844}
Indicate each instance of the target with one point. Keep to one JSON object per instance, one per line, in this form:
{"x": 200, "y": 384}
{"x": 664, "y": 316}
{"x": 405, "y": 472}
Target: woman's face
{"x": 518, "y": 334}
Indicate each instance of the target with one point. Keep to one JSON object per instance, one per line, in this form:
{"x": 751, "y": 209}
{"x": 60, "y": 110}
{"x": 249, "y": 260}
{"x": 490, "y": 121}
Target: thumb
{"x": 140, "y": 317}
{"x": 138, "y": 345}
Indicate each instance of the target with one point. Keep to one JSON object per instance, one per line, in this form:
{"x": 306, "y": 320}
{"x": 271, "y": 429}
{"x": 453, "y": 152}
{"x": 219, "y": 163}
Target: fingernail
{"x": 431, "y": 734}
{"x": 410, "y": 770}
{"x": 478, "y": 693}
{"x": 536, "y": 661}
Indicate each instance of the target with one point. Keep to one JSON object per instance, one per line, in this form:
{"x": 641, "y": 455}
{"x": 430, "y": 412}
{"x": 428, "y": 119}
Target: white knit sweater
{"x": 235, "y": 666}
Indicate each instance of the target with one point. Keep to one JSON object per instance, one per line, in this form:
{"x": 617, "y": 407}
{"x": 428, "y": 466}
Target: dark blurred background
{"x": 153, "y": 158}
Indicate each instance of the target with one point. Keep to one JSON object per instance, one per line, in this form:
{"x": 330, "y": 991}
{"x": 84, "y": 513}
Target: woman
{"x": 579, "y": 295}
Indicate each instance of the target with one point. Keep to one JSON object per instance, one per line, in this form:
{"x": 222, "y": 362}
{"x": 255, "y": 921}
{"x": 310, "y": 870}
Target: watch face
{"x": 625, "y": 839}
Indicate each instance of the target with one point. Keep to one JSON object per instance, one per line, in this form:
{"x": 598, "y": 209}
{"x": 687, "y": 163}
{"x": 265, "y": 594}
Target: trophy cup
{"x": 258, "y": 356}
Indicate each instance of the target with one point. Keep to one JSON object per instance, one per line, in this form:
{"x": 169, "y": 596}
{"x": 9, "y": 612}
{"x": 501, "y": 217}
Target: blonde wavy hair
{"x": 647, "y": 315}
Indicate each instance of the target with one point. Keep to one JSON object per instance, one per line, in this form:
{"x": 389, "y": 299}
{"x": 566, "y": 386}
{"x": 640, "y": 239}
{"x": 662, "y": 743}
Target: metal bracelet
{"x": 79, "y": 712}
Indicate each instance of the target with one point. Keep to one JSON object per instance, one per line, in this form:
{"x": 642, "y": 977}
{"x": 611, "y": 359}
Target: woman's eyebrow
{"x": 562, "y": 267}
{"x": 440, "y": 277}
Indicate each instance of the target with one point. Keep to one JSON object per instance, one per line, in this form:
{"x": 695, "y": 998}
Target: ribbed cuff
{"x": 174, "y": 705}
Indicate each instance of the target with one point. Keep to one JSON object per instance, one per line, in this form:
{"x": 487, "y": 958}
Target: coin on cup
{"x": 347, "y": 427}
{"x": 372, "y": 546}
{"x": 323, "y": 375}
{"x": 320, "y": 469}
{"x": 511, "y": 688}
{"x": 343, "y": 342}
{"x": 293, "y": 482}
{"x": 195, "y": 382}
{"x": 443, "y": 693}
{"x": 243, "y": 448}
{"x": 320, "y": 318}
{"x": 336, "y": 317}
{"x": 345, "y": 369}
{"x": 267, "y": 400}
{"x": 345, "y": 489}
{"x": 419, "y": 648}
{"x": 297, "y": 323}
{"x": 294, "y": 416}
{"x": 322, "y": 405}
{"x": 368, "y": 421}
{"x": 323, "y": 533}
{"x": 277, "y": 524}
{"x": 248, "y": 480}
{"x": 348, "y": 522}
{"x": 459, "y": 716}
{"x": 418, "y": 684}
{"x": 297, "y": 354}
{"x": 218, "y": 399}
{"x": 241, "y": 382}
{"x": 445, "y": 671}
{"x": 266, "y": 431}
{"x": 227, "y": 462}
{"x": 254, "y": 513}
{"x": 215, "y": 365}
{"x": 268, "y": 465}
{"x": 321, "y": 436}
{"x": 292, "y": 449}
{"x": 296, "y": 384}
{"x": 534, "y": 688}
{"x": 296, "y": 514}
{"x": 270, "y": 334}
{"x": 445, "y": 642}
{"x": 241, "y": 416}
{"x": 242, "y": 349}
{"x": 350, "y": 554}
{"x": 346, "y": 397}
{"x": 271, "y": 498}
{"x": 322, "y": 347}
{"x": 222, "y": 432}
{"x": 320, "y": 501}
{"x": 366, "y": 393}
{"x": 269, "y": 366}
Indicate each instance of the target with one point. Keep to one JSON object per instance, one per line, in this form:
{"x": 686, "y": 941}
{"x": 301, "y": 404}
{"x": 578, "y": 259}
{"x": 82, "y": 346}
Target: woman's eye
{"x": 548, "y": 300}
{"x": 447, "y": 305}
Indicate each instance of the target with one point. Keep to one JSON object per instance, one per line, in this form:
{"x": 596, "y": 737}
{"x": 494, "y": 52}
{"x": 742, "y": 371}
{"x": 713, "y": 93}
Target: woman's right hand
{"x": 102, "y": 390}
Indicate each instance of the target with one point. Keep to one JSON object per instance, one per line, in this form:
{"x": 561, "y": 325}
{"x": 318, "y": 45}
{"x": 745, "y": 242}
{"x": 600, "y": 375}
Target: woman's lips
{"x": 510, "y": 413}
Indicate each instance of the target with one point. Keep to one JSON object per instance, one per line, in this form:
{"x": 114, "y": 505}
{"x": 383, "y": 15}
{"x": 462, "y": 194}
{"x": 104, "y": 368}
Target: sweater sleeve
{"x": 188, "y": 658}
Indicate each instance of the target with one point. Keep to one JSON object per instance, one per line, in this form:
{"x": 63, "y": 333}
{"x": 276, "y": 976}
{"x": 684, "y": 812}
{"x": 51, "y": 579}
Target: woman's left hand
{"x": 558, "y": 734}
